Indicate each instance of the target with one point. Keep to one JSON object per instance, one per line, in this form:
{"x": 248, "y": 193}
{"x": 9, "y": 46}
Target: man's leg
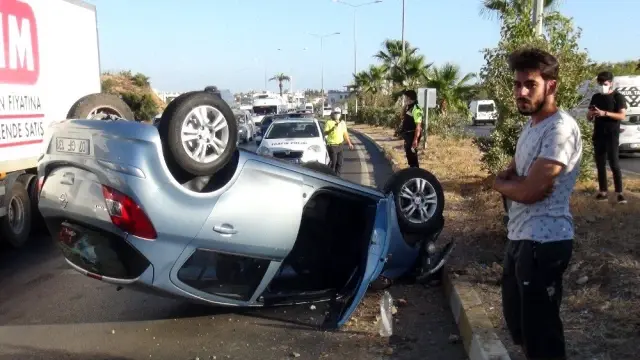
{"x": 542, "y": 329}
{"x": 339, "y": 158}
{"x": 332, "y": 156}
{"x": 613, "y": 155}
{"x": 600, "y": 155}
{"x": 511, "y": 293}
{"x": 412, "y": 156}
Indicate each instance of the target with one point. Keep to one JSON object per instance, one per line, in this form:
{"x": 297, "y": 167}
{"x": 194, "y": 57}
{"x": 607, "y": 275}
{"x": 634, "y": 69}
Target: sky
{"x": 189, "y": 44}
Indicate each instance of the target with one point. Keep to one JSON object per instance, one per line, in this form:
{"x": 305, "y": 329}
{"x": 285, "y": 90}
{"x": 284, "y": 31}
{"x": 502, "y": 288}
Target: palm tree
{"x": 391, "y": 53}
{"x": 370, "y": 82}
{"x": 518, "y": 7}
{"x": 452, "y": 88}
{"x": 280, "y": 78}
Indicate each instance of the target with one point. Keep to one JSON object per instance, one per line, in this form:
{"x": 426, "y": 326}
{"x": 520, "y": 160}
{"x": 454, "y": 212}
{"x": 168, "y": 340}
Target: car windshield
{"x": 293, "y": 130}
{"x": 265, "y": 110}
{"x": 485, "y": 107}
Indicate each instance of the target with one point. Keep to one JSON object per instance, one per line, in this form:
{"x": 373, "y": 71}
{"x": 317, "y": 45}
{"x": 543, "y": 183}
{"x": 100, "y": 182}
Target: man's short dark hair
{"x": 605, "y": 76}
{"x": 532, "y": 59}
{"x": 411, "y": 94}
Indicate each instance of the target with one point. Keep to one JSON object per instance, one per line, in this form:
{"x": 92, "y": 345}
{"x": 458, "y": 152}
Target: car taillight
{"x": 127, "y": 215}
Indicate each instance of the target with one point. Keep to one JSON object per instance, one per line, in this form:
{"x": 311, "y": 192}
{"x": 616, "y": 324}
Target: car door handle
{"x": 225, "y": 229}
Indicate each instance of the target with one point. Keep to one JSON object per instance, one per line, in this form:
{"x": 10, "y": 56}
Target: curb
{"x": 476, "y": 330}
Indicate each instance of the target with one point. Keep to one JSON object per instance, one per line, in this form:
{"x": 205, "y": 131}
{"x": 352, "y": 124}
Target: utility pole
{"x": 538, "y": 14}
{"x": 403, "y": 44}
{"x": 322, "y": 61}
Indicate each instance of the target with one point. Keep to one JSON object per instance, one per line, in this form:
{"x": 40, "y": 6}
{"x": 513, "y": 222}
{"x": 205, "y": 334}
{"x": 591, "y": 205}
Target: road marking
{"x": 365, "y": 178}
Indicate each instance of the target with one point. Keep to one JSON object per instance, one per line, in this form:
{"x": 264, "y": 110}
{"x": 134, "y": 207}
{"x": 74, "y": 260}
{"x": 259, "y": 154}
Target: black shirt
{"x": 613, "y": 102}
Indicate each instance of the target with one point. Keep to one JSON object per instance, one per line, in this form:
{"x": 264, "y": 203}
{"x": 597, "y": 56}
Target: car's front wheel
{"x": 419, "y": 199}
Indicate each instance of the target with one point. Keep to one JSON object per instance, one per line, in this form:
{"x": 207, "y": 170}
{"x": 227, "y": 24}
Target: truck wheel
{"x": 320, "y": 167}
{"x": 419, "y": 199}
{"x": 16, "y": 225}
{"x": 199, "y": 134}
{"x": 30, "y": 183}
{"x": 98, "y": 106}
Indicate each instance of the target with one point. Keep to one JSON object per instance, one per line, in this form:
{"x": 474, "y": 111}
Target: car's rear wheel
{"x": 419, "y": 199}
{"x": 199, "y": 134}
{"x": 100, "y": 106}
{"x": 16, "y": 226}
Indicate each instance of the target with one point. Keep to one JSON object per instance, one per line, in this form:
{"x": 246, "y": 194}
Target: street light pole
{"x": 322, "y": 61}
{"x": 403, "y": 44}
{"x": 538, "y": 11}
{"x": 355, "y": 42}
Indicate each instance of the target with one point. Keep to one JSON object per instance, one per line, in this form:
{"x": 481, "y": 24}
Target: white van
{"x": 483, "y": 111}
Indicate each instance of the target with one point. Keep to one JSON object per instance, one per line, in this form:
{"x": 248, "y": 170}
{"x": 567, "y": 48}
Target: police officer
{"x": 336, "y": 134}
{"x": 411, "y": 129}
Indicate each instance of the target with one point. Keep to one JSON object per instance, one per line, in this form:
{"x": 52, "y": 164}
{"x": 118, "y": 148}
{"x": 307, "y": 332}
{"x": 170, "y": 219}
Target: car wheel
{"x": 199, "y": 134}
{"x": 418, "y": 197}
{"x": 16, "y": 225}
{"x": 100, "y": 106}
{"x": 320, "y": 167}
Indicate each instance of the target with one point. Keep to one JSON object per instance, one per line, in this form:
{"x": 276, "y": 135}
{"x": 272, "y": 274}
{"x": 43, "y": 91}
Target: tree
{"x": 618, "y": 68}
{"x": 280, "y": 78}
{"x": 561, "y": 39}
{"x": 452, "y": 88}
{"x": 408, "y": 72}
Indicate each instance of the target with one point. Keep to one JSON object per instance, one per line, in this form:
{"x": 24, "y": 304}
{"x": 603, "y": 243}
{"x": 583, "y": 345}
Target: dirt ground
{"x": 601, "y": 306}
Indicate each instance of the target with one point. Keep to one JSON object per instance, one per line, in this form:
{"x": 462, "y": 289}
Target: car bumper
{"x": 630, "y": 147}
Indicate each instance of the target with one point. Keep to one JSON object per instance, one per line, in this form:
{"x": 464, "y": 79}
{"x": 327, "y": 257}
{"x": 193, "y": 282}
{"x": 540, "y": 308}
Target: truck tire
{"x": 30, "y": 183}
{"x": 418, "y": 187}
{"x": 96, "y": 106}
{"x": 16, "y": 225}
{"x": 210, "y": 137}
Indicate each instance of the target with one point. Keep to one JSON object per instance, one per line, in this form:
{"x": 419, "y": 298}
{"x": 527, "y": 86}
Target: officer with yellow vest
{"x": 411, "y": 130}
{"x": 336, "y": 134}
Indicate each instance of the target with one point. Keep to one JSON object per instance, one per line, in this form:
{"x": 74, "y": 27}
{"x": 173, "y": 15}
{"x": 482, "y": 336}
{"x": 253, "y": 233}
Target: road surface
{"x": 630, "y": 164}
{"x": 48, "y": 311}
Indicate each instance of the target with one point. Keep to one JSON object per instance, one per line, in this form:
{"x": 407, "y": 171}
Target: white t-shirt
{"x": 556, "y": 138}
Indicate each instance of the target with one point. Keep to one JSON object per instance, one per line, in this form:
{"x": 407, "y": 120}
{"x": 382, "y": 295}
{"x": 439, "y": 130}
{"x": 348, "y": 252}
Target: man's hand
{"x": 414, "y": 144}
{"x": 534, "y": 187}
{"x": 351, "y": 147}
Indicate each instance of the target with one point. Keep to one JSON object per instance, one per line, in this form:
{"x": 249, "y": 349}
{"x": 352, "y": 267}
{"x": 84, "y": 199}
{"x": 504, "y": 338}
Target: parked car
{"x": 298, "y": 140}
{"x": 246, "y": 130}
{"x": 164, "y": 209}
{"x": 267, "y": 120}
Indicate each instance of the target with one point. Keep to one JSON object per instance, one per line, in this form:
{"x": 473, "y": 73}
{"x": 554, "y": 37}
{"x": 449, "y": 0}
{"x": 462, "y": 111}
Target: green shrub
{"x": 142, "y": 105}
{"x": 449, "y": 125}
{"x": 379, "y": 116}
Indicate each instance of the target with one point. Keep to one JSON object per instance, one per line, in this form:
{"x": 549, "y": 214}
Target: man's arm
{"x": 509, "y": 172}
{"x": 417, "y": 118}
{"x": 346, "y": 135}
{"x": 558, "y": 147}
{"x": 621, "y": 108}
{"x": 328, "y": 129}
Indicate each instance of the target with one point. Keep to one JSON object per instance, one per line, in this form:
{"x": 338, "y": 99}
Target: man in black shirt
{"x": 608, "y": 109}
{"x": 411, "y": 129}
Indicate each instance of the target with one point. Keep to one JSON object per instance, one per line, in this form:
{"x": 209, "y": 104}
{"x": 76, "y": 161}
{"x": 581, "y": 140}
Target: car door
{"x": 341, "y": 309}
{"x": 251, "y": 229}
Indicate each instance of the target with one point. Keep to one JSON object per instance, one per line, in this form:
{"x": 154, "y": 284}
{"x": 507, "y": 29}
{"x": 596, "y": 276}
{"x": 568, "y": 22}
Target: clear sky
{"x": 188, "y": 44}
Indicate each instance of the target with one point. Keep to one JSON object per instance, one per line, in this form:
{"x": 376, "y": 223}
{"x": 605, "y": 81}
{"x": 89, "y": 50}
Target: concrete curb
{"x": 476, "y": 330}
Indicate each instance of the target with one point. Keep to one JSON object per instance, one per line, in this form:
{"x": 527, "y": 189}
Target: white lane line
{"x": 365, "y": 178}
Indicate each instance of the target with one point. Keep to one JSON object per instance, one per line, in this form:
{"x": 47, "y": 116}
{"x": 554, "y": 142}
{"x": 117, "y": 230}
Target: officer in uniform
{"x": 411, "y": 129}
{"x": 336, "y": 134}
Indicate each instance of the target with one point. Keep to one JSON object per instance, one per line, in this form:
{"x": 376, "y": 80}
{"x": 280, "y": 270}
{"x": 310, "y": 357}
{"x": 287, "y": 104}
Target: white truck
{"x": 49, "y": 71}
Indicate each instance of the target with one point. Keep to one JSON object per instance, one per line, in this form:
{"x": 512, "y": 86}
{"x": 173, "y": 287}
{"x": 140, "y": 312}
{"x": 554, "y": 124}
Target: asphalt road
{"x": 630, "y": 164}
{"x": 48, "y": 311}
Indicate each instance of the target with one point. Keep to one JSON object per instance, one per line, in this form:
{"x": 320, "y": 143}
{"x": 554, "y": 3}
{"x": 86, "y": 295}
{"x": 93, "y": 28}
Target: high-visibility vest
{"x": 335, "y": 137}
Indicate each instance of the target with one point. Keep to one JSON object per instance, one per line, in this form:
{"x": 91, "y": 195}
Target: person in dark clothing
{"x": 607, "y": 109}
{"x": 411, "y": 128}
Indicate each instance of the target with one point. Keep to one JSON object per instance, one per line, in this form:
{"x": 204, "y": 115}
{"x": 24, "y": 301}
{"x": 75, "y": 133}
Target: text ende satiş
{"x": 21, "y": 130}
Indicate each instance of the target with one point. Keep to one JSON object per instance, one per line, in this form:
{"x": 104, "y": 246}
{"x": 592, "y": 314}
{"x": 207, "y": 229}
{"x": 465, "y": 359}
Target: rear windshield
{"x": 292, "y": 130}
{"x": 485, "y": 107}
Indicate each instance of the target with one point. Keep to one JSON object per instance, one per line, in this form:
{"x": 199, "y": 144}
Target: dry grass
{"x": 601, "y": 315}
{"x": 122, "y": 84}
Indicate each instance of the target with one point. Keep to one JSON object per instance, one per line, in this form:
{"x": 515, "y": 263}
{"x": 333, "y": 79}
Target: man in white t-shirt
{"x": 539, "y": 182}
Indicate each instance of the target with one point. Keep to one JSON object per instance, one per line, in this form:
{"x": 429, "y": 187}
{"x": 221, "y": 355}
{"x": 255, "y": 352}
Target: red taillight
{"x": 127, "y": 215}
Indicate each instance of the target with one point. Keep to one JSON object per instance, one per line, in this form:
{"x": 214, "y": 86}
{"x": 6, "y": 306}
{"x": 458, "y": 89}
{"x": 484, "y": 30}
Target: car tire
{"x": 91, "y": 106}
{"x": 17, "y": 200}
{"x": 30, "y": 183}
{"x": 177, "y": 150}
{"x": 408, "y": 181}
{"x": 320, "y": 167}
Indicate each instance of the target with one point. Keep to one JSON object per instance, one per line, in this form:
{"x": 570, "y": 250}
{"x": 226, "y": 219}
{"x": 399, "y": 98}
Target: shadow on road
{"x": 32, "y": 353}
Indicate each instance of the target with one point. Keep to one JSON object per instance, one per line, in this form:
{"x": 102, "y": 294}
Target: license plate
{"x": 634, "y": 146}
{"x": 295, "y": 161}
{"x": 72, "y": 146}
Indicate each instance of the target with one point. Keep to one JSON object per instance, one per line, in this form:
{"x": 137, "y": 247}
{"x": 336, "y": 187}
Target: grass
{"x": 602, "y": 314}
